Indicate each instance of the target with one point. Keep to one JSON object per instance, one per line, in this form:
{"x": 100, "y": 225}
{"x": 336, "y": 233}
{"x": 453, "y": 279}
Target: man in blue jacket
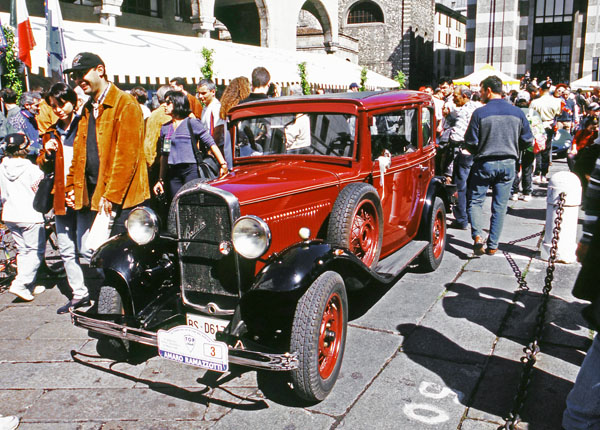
{"x": 496, "y": 134}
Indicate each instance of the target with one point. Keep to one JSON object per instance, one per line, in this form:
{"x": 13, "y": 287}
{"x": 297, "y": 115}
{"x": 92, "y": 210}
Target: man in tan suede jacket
{"x": 109, "y": 171}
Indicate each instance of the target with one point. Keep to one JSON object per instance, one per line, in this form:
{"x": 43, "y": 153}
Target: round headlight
{"x": 251, "y": 236}
{"x": 142, "y": 225}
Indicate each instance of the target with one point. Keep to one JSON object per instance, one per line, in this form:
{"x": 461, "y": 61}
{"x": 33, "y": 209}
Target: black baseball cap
{"x": 85, "y": 61}
{"x": 15, "y": 142}
{"x": 353, "y": 85}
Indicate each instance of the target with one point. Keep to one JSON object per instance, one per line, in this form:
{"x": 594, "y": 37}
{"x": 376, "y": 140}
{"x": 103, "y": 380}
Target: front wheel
{"x": 110, "y": 302}
{"x": 319, "y": 336}
{"x": 432, "y": 256}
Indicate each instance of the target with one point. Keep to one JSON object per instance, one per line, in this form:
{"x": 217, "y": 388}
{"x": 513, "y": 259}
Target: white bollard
{"x": 568, "y": 183}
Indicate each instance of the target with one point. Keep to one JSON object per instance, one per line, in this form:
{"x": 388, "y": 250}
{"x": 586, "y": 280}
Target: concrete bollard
{"x": 568, "y": 183}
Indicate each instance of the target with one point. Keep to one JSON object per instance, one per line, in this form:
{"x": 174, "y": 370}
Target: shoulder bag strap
{"x": 194, "y": 142}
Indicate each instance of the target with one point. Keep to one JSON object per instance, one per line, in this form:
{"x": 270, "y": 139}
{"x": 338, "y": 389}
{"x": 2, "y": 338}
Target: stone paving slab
{"x": 63, "y": 375}
{"x": 122, "y": 404}
{"x": 30, "y": 350}
{"x": 551, "y": 381}
{"x": 16, "y": 402}
{"x": 415, "y": 392}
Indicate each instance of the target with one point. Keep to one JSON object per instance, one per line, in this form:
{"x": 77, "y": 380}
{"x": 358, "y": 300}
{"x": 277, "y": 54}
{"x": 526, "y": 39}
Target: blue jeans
{"x": 498, "y": 174}
{"x": 66, "y": 235}
{"x": 583, "y": 402}
{"x": 462, "y": 168}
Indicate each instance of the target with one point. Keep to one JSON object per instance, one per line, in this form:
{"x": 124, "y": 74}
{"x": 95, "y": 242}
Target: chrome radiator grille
{"x": 204, "y": 221}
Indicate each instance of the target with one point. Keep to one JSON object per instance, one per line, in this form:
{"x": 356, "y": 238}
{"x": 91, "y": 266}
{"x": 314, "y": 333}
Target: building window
{"x": 547, "y": 11}
{"x": 439, "y": 36}
{"x": 364, "y": 12}
{"x": 183, "y": 10}
{"x": 142, "y": 7}
{"x": 552, "y": 38}
{"x": 448, "y": 39}
{"x": 595, "y": 69}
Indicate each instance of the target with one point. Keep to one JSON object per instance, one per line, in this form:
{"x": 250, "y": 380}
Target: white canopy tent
{"x": 475, "y": 78}
{"x": 153, "y": 58}
{"x": 585, "y": 83}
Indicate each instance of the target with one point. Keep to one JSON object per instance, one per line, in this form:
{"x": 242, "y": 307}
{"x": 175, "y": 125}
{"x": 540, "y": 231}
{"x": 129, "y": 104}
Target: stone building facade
{"x": 449, "y": 43}
{"x": 556, "y": 38}
{"x": 400, "y": 38}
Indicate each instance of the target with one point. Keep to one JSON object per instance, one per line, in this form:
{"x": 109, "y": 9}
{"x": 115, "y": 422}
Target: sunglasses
{"x": 78, "y": 74}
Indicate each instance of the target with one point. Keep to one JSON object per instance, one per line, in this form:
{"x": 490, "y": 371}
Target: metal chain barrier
{"x": 532, "y": 349}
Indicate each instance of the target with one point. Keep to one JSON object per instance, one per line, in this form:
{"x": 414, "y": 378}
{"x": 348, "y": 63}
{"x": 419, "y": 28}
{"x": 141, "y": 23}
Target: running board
{"x": 393, "y": 264}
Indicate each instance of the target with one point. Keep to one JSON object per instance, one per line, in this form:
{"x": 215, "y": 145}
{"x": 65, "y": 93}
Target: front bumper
{"x": 239, "y": 356}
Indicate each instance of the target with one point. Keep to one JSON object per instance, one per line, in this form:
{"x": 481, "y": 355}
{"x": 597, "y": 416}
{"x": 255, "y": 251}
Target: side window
{"x": 427, "y": 126}
{"x": 396, "y": 132}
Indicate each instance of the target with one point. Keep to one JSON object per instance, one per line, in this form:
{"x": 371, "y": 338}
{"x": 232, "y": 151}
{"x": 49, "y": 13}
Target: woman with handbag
{"x": 187, "y": 149}
{"x": 56, "y": 156}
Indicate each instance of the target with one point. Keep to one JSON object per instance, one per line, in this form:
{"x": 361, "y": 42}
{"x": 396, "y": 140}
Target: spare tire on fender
{"x": 356, "y": 222}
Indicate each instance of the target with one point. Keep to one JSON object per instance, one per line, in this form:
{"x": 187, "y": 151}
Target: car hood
{"x": 250, "y": 183}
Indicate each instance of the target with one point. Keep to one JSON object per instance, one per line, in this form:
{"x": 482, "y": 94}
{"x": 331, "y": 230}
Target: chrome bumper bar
{"x": 242, "y": 357}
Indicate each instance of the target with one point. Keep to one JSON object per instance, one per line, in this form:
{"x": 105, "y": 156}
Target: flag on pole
{"x": 19, "y": 18}
{"x": 55, "y": 40}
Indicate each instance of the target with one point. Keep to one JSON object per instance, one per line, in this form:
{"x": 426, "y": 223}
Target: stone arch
{"x": 318, "y": 9}
{"x": 374, "y": 3}
{"x": 263, "y": 21}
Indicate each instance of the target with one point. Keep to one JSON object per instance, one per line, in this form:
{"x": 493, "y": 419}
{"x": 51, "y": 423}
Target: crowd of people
{"x": 109, "y": 153}
{"x": 506, "y": 144}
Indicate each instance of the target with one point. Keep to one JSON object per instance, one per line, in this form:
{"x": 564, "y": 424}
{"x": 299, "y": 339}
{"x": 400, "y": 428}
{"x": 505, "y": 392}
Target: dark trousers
{"x": 526, "y": 166}
{"x": 462, "y": 168}
{"x": 544, "y": 158}
{"x": 179, "y": 174}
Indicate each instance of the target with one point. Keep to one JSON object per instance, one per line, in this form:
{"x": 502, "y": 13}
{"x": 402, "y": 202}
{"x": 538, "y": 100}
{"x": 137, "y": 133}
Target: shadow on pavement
{"x": 477, "y": 304}
{"x": 494, "y": 391}
{"x": 201, "y": 396}
{"x": 527, "y": 213}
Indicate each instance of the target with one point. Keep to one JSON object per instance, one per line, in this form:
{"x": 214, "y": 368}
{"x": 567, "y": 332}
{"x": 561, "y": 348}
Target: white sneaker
{"x": 514, "y": 197}
{"x": 39, "y": 289}
{"x": 543, "y": 180}
{"x": 23, "y": 293}
{"x": 536, "y": 180}
{"x": 526, "y": 197}
{"x": 9, "y": 423}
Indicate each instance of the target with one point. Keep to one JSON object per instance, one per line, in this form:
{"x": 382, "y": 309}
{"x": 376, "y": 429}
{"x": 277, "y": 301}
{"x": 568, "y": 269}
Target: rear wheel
{"x": 319, "y": 337}
{"x": 356, "y": 222}
{"x": 433, "y": 254}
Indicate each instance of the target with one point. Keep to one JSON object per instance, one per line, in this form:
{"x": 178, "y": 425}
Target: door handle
{"x": 423, "y": 168}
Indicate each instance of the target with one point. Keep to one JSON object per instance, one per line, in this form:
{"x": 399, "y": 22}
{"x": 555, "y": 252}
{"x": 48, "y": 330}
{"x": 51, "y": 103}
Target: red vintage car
{"x": 327, "y": 193}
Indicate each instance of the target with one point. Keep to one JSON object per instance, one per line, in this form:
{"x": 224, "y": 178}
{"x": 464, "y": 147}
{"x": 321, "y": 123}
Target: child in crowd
{"x": 19, "y": 179}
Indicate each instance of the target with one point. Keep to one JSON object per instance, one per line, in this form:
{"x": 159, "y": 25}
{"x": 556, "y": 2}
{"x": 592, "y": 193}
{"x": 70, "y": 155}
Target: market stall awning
{"x": 153, "y": 58}
{"x": 475, "y": 78}
{"x": 585, "y": 83}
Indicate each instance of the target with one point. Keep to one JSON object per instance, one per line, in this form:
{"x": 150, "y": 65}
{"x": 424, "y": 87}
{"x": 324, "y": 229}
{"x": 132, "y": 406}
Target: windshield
{"x": 328, "y": 134}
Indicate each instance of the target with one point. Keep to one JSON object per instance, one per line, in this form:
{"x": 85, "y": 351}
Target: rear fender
{"x": 437, "y": 188}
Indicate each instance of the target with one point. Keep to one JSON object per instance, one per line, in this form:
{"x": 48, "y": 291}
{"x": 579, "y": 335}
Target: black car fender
{"x": 135, "y": 265}
{"x": 287, "y": 275}
{"x": 437, "y": 188}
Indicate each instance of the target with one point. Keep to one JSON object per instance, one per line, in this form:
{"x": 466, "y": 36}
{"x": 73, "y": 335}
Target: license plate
{"x": 208, "y": 326}
{"x": 187, "y": 345}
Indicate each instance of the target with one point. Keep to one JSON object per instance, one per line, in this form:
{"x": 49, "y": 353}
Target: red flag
{"x": 25, "y": 38}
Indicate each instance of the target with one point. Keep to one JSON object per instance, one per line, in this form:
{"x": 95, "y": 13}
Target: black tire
{"x": 320, "y": 352}
{"x": 356, "y": 222}
{"x": 111, "y": 303}
{"x": 432, "y": 255}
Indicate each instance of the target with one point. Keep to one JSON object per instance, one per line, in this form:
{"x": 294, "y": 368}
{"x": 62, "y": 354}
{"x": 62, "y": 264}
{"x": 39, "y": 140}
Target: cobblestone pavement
{"x": 435, "y": 351}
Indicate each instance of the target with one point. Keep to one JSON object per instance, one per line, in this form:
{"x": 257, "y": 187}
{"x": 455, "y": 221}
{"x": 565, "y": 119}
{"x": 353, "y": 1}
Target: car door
{"x": 395, "y": 141}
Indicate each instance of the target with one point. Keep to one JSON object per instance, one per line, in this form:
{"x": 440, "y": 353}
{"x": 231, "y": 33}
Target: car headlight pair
{"x": 251, "y": 236}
